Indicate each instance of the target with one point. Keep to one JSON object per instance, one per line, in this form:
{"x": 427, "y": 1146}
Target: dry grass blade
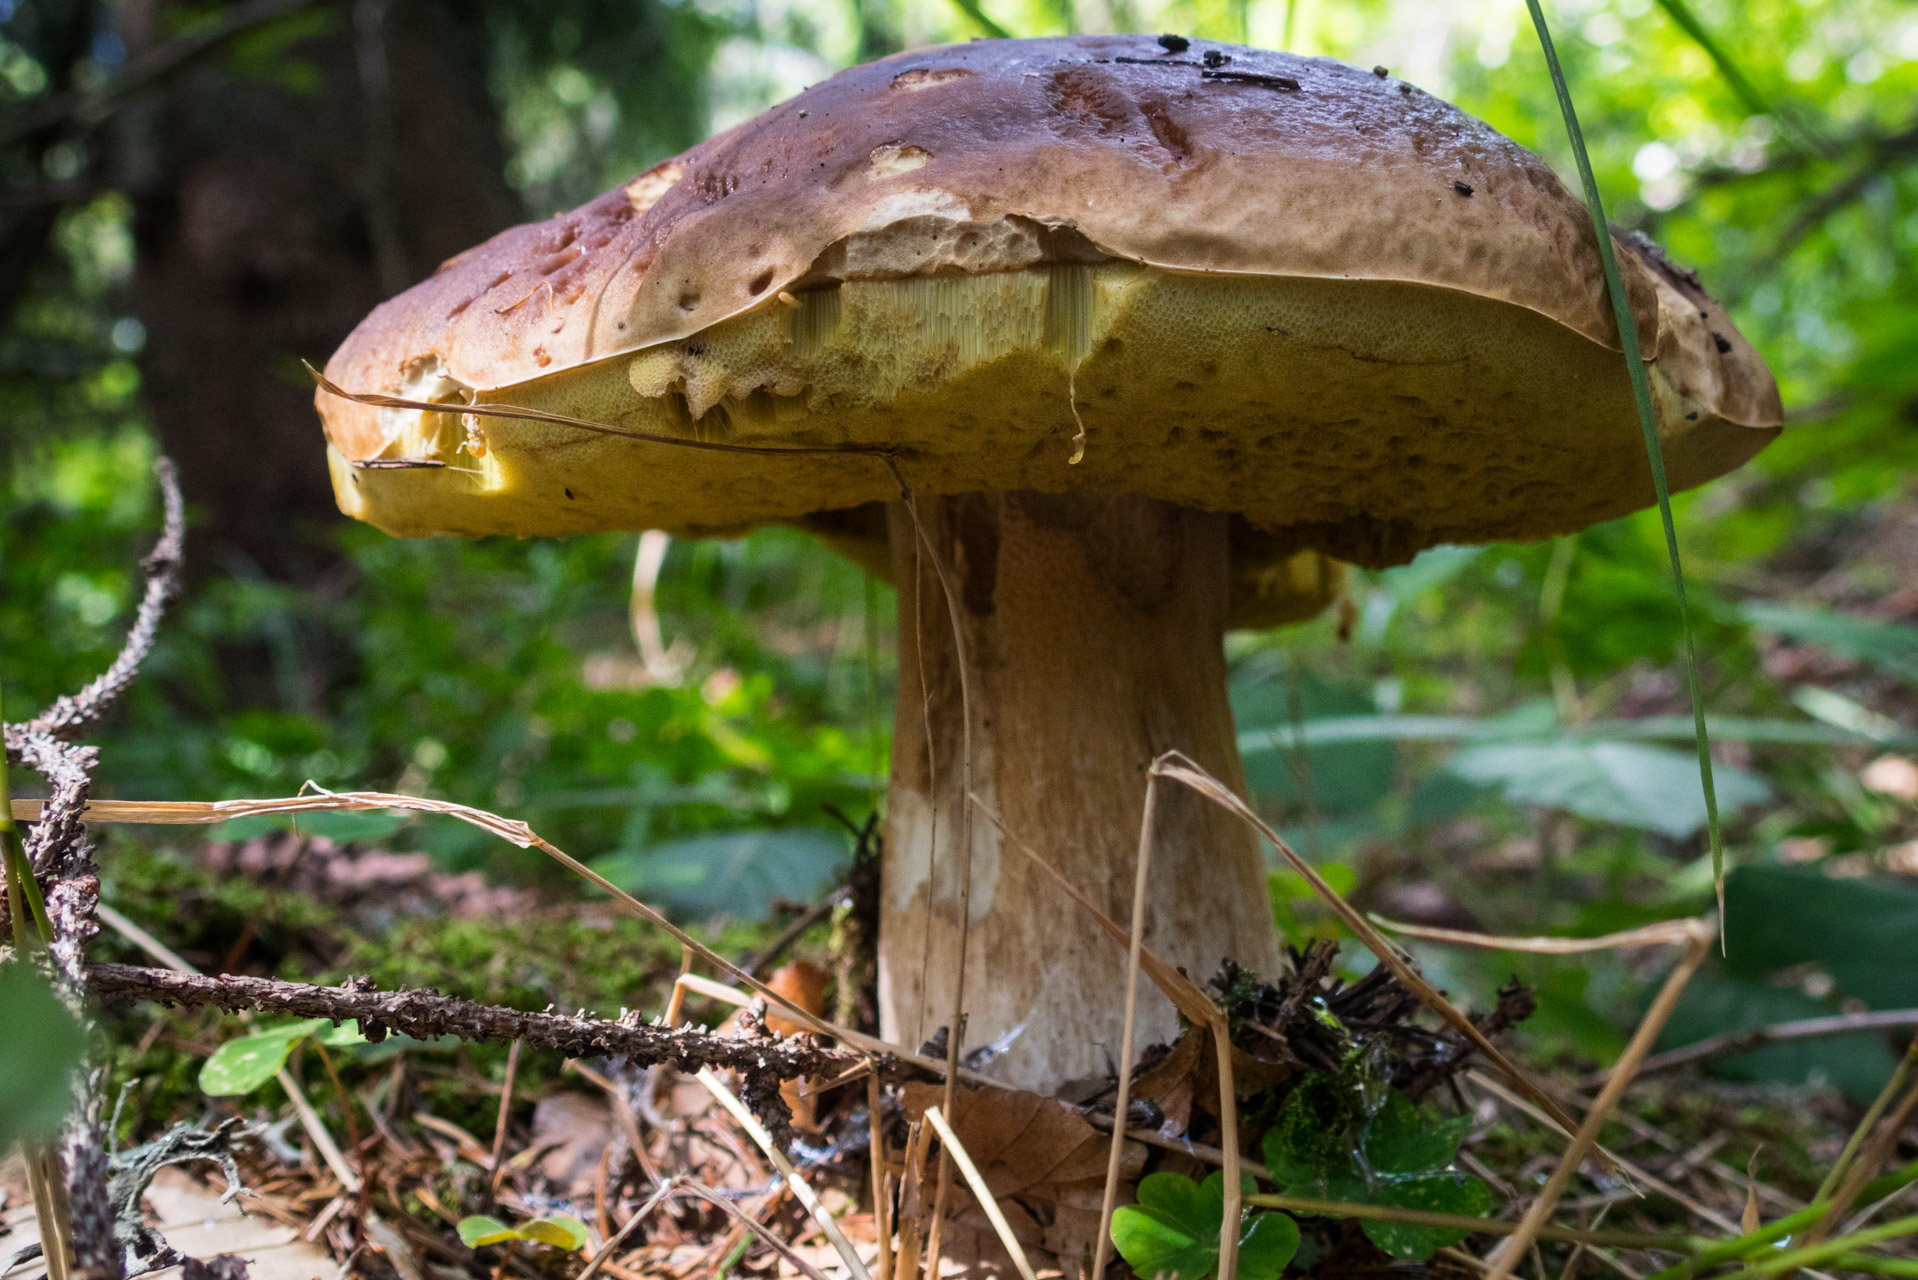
{"x": 750, "y": 1123}
{"x": 977, "y": 1181}
{"x": 753, "y": 1225}
{"x": 1185, "y": 994}
{"x": 1633, "y": 1172}
{"x": 876, "y": 1149}
{"x": 1122, "y": 1095}
{"x": 1176, "y": 767}
{"x": 1666, "y": 933}
{"x": 1505, "y": 1260}
{"x": 956, "y": 1026}
{"x": 502, "y": 1123}
{"x": 1187, "y": 997}
{"x": 583, "y": 424}
{"x": 607, "y": 1250}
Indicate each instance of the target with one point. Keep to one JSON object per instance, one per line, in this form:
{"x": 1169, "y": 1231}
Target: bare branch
{"x": 425, "y": 1015}
{"x": 70, "y": 716}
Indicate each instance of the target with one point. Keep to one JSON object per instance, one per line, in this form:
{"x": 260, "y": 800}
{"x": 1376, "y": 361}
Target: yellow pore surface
{"x": 1289, "y": 401}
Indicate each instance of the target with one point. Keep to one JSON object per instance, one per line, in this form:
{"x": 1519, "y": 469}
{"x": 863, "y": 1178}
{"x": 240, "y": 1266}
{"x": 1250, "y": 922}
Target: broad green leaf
{"x": 38, "y": 1053}
{"x": 1268, "y": 1243}
{"x": 477, "y": 1231}
{"x": 1623, "y": 782}
{"x": 345, "y": 1035}
{"x": 1890, "y": 645}
{"x": 1863, "y": 932}
{"x": 1532, "y": 725}
{"x": 1716, "y": 1002}
{"x": 1407, "y": 1139}
{"x": 561, "y": 1233}
{"x": 240, "y": 1066}
{"x": 1152, "y": 1246}
{"x": 1347, "y": 778}
{"x": 736, "y": 873}
{"x": 1446, "y": 1193}
{"x": 1174, "y": 1231}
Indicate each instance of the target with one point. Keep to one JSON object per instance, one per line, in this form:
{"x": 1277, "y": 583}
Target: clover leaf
{"x": 1174, "y": 1231}
{"x": 1323, "y": 1145}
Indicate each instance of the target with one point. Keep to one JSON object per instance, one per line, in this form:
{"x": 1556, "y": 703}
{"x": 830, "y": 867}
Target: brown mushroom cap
{"x": 1282, "y": 287}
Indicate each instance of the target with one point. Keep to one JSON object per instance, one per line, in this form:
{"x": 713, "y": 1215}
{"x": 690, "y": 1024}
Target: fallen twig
{"x": 425, "y": 1015}
{"x": 1780, "y": 1033}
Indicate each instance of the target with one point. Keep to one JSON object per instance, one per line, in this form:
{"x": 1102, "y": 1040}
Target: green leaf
{"x": 1446, "y": 1193}
{"x": 1311, "y": 1148}
{"x": 41, "y": 1048}
{"x": 1890, "y": 645}
{"x": 1346, "y": 778}
{"x": 1715, "y": 1002}
{"x": 1268, "y": 1243}
{"x": 1408, "y": 1139}
{"x": 240, "y": 1066}
{"x": 735, "y": 873}
{"x": 1624, "y": 782}
{"x": 345, "y": 1035}
{"x": 477, "y": 1231}
{"x": 1863, "y": 932}
{"x": 561, "y": 1233}
{"x": 1174, "y": 1231}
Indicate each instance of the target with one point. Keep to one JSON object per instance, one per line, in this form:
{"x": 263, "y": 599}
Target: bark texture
{"x": 279, "y": 196}
{"x": 1093, "y": 627}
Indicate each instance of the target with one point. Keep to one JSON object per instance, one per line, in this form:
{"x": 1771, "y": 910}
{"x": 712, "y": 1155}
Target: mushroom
{"x": 1134, "y": 327}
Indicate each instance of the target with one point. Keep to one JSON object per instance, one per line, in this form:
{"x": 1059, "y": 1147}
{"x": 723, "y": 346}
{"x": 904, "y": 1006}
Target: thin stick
{"x": 316, "y": 1129}
{"x": 611, "y": 1246}
{"x": 1507, "y": 1256}
{"x": 1477, "y": 1226}
{"x": 757, "y": 1132}
{"x": 1123, "y": 1096}
{"x": 982, "y": 1192}
{"x": 1180, "y": 769}
{"x": 881, "y": 1210}
{"x": 956, "y": 1028}
{"x": 496, "y": 1170}
{"x": 1781, "y": 1032}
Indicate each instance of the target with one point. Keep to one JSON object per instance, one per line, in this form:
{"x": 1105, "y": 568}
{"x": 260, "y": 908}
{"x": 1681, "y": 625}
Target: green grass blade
{"x": 1741, "y": 86}
{"x": 973, "y": 10}
{"x": 1648, "y": 422}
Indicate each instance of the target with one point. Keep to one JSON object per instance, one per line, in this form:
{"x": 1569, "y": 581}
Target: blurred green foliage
{"x": 502, "y": 674}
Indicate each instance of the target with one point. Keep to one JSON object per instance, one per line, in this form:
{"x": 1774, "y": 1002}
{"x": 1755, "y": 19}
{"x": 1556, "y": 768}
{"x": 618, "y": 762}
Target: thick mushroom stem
{"x": 1093, "y": 629}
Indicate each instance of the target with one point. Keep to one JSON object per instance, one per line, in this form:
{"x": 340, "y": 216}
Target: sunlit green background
{"x": 1778, "y": 161}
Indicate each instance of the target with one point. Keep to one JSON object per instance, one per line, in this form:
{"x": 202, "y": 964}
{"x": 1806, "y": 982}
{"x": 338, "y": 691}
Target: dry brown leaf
{"x": 574, "y": 1129}
{"x": 1019, "y": 1140}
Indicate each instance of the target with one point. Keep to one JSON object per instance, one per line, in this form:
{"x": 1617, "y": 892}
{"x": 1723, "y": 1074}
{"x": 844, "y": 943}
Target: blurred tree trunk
{"x": 281, "y": 190}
